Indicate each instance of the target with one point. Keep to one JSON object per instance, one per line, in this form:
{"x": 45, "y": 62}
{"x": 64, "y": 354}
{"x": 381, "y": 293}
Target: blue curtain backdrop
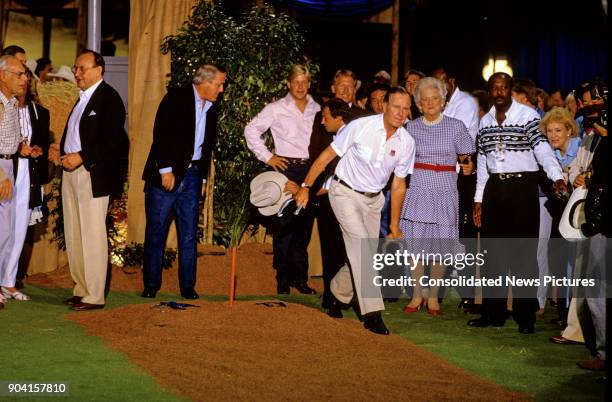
{"x": 561, "y": 60}
{"x": 337, "y": 7}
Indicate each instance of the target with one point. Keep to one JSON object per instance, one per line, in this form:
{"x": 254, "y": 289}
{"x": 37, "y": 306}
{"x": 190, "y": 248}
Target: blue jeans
{"x": 183, "y": 202}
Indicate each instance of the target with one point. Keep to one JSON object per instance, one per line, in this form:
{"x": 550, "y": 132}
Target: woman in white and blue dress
{"x": 430, "y": 215}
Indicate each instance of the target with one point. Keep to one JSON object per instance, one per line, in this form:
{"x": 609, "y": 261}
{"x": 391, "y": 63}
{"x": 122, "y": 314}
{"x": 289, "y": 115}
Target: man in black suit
{"x": 175, "y": 174}
{"x": 93, "y": 142}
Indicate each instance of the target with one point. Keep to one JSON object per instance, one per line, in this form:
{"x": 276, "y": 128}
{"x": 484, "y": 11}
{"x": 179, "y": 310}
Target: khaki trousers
{"x": 359, "y": 218}
{"x": 573, "y": 331}
{"x": 85, "y": 234}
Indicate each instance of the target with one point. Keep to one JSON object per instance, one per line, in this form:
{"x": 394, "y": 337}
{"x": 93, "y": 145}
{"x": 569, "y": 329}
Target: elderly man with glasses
{"x": 93, "y": 141}
{"x": 13, "y": 81}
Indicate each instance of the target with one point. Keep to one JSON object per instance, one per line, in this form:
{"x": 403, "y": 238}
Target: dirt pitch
{"x": 254, "y": 352}
{"x": 254, "y": 274}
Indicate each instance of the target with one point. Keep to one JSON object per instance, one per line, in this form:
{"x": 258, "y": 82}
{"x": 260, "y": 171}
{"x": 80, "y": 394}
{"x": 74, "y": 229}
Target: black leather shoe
{"x": 335, "y": 308}
{"x": 282, "y": 289}
{"x": 304, "y": 289}
{"x": 526, "y": 330}
{"x": 189, "y": 293}
{"x": 72, "y": 300}
{"x": 87, "y": 306}
{"x": 390, "y": 299}
{"x": 478, "y": 322}
{"x": 373, "y": 322}
{"x": 149, "y": 293}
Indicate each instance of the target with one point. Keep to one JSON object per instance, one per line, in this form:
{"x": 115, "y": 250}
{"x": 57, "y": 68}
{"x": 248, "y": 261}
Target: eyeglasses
{"x": 19, "y": 74}
{"x": 82, "y": 69}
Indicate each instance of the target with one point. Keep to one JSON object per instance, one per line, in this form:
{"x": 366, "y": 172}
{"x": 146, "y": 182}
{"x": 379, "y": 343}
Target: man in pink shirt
{"x": 290, "y": 121}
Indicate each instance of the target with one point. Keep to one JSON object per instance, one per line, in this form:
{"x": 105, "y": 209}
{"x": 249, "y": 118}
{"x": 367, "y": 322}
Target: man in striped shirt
{"x": 510, "y": 149}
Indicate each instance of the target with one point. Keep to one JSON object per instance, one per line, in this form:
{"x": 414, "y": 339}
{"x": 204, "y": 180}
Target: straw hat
{"x": 267, "y": 192}
{"x": 65, "y": 73}
{"x": 573, "y": 216}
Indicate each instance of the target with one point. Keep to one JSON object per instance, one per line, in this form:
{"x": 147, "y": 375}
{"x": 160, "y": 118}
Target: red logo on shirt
{"x": 392, "y": 153}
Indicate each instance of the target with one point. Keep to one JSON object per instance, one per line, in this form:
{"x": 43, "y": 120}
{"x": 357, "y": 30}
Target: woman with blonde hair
{"x": 562, "y": 132}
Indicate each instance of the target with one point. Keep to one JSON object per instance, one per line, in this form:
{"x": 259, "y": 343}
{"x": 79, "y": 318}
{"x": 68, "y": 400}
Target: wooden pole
{"x": 395, "y": 41}
{"x": 233, "y": 277}
{"x": 47, "y": 36}
{"x": 82, "y": 26}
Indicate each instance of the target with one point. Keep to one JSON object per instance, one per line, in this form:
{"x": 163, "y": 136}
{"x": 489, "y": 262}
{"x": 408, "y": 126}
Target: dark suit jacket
{"x": 39, "y": 167}
{"x": 320, "y": 139}
{"x": 174, "y": 137}
{"x": 104, "y": 142}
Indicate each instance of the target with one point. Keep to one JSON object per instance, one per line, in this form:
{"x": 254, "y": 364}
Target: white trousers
{"x": 543, "y": 268}
{"x": 359, "y": 219}
{"x": 7, "y": 219}
{"x": 21, "y": 201}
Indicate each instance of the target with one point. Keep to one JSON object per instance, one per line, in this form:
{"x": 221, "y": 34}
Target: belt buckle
{"x": 502, "y": 176}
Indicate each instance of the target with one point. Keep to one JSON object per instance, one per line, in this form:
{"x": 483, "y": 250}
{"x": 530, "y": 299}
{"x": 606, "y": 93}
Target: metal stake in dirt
{"x": 232, "y": 277}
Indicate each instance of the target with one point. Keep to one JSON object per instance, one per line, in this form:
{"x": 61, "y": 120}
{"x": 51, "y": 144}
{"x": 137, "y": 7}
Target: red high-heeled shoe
{"x": 409, "y": 309}
{"x": 433, "y": 312}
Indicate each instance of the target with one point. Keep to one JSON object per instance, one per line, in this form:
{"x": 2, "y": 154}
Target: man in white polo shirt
{"x": 371, "y": 148}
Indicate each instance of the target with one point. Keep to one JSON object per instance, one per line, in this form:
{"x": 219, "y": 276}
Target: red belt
{"x": 437, "y": 168}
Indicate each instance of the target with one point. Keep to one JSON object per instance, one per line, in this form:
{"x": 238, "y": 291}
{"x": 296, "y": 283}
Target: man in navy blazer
{"x": 94, "y": 140}
{"x": 175, "y": 174}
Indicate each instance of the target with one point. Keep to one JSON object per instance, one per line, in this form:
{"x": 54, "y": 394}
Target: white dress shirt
{"x": 290, "y": 129}
{"x": 463, "y": 106}
{"x": 368, "y": 158}
{"x": 73, "y": 136}
{"x": 517, "y": 145}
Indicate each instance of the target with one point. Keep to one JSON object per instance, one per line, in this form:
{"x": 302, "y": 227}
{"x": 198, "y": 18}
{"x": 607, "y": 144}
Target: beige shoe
{"x": 17, "y": 295}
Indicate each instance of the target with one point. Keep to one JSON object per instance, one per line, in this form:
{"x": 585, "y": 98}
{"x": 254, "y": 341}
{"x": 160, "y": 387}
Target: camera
{"x": 597, "y": 110}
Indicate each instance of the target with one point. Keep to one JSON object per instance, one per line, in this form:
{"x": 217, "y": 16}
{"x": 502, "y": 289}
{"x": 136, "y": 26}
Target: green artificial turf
{"x": 43, "y": 345}
{"x": 39, "y": 344}
{"x": 527, "y": 363}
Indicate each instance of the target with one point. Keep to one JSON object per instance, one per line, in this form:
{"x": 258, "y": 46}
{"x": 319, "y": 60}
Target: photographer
{"x": 592, "y": 102}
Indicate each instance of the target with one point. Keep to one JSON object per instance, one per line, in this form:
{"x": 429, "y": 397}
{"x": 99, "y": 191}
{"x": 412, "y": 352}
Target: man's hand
{"x": 36, "y": 152}
{"x": 579, "y": 181}
{"x": 167, "y": 181}
{"x": 291, "y": 187}
{"x": 277, "y": 163}
{"x": 203, "y": 190}
{"x": 301, "y": 197}
{"x": 395, "y": 232}
{"x": 561, "y": 190}
{"x": 54, "y": 154}
{"x": 71, "y": 161}
{"x": 477, "y": 214}
{"x": 6, "y": 189}
{"x": 466, "y": 165}
{"x": 24, "y": 149}
{"x": 600, "y": 130}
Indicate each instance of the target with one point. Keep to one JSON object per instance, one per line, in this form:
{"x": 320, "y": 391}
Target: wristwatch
{"x": 304, "y": 185}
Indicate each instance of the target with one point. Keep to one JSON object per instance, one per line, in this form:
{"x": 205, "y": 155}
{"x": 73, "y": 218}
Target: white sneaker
{"x": 17, "y": 295}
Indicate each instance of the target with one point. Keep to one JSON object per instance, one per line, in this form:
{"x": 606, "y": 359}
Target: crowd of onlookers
{"x": 421, "y": 161}
{"x": 499, "y": 162}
